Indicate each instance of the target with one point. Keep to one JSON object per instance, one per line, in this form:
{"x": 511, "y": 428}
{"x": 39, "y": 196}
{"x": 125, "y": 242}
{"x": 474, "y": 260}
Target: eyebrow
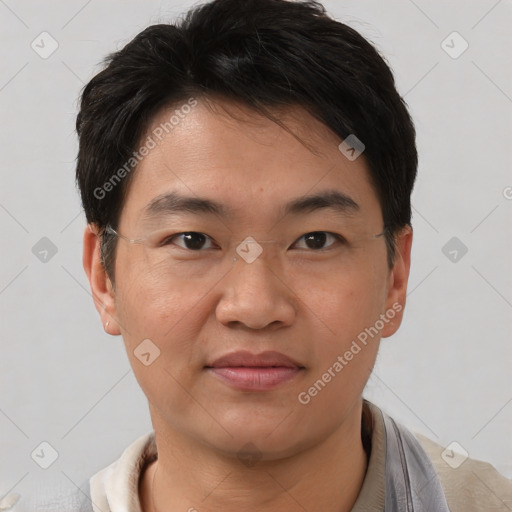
{"x": 174, "y": 203}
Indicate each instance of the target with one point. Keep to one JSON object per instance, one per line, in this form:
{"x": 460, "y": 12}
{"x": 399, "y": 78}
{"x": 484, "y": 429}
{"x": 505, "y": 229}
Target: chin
{"x": 249, "y": 450}
{"x": 269, "y": 437}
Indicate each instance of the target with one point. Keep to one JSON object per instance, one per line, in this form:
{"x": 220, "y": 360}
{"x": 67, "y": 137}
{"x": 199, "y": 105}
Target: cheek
{"x": 344, "y": 352}
{"x": 152, "y": 304}
{"x": 160, "y": 318}
{"x": 346, "y": 309}
{"x": 349, "y": 300}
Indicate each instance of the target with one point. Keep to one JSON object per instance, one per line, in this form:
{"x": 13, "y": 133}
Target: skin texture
{"x": 307, "y": 304}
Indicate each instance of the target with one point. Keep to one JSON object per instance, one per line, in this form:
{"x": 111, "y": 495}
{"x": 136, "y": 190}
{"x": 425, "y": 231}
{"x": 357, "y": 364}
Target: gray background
{"x": 446, "y": 373}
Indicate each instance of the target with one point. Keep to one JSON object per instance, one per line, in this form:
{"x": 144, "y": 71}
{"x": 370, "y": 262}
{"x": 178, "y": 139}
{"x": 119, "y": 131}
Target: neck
{"x": 189, "y": 476}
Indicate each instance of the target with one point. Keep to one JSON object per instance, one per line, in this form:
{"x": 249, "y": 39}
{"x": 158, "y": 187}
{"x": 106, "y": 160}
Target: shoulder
{"x": 114, "y": 487}
{"x": 469, "y": 485}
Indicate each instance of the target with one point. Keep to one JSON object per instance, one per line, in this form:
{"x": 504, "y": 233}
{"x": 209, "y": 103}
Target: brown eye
{"x": 190, "y": 240}
{"x": 316, "y": 240}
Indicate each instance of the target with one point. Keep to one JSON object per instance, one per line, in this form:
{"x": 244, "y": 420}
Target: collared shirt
{"x": 469, "y": 487}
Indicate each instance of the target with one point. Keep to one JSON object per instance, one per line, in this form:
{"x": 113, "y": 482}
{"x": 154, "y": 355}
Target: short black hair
{"x": 263, "y": 54}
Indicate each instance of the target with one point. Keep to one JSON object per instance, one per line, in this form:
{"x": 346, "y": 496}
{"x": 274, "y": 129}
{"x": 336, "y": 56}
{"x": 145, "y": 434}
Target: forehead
{"x": 246, "y": 163}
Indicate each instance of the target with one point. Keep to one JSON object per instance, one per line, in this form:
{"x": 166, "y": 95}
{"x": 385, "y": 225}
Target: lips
{"x": 254, "y": 372}
{"x": 263, "y": 360}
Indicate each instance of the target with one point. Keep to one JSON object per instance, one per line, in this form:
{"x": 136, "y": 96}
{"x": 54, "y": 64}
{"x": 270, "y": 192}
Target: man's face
{"x": 298, "y": 290}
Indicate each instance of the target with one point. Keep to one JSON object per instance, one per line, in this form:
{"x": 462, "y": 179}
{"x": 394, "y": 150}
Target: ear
{"x": 102, "y": 289}
{"x": 398, "y": 278}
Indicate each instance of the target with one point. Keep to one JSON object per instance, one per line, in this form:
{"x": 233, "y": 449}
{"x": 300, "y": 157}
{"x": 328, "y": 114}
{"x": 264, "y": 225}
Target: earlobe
{"x": 101, "y": 286}
{"x": 398, "y": 279}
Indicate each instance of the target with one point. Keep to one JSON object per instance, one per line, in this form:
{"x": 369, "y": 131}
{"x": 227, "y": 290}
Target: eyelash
{"x": 338, "y": 238}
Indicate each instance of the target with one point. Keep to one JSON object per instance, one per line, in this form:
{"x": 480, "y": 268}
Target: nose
{"x": 256, "y": 295}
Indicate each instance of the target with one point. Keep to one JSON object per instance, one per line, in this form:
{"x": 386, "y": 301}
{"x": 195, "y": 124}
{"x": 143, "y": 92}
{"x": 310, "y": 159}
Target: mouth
{"x": 254, "y": 372}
